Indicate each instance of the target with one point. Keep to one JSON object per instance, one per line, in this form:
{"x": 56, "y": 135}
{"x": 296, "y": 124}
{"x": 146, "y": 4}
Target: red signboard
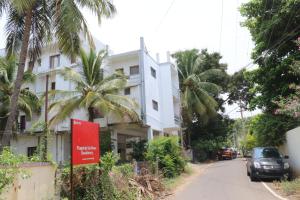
{"x": 85, "y": 142}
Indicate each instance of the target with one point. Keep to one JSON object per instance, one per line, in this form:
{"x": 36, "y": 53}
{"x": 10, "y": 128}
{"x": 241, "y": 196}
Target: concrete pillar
{"x": 150, "y": 134}
{"x": 114, "y": 140}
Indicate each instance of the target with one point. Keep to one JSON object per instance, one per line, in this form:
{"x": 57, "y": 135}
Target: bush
{"x": 248, "y": 143}
{"x": 139, "y": 150}
{"x": 108, "y": 161}
{"x": 125, "y": 169}
{"x": 106, "y": 182}
{"x": 9, "y": 163}
{"x": 270, "y": 129}
{"x": 91, "y": 181}
{"x": 167, "y": 152}
{"x": 207, "y": 148}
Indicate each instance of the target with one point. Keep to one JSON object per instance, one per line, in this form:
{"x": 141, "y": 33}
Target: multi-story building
{"x": 153, "y": 85}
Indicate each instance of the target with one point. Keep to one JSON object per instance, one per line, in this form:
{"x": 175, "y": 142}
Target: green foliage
{"x": 207, "y": 148}
{"x": 105, "y": 142}
{"x": 270, "y": 130}
{"x": 139, "y": 150}
{"x": 167, "y": 152}
{"x": 248, "y": 143}
{"x": 93, "y": 92}
{"x": 107, "y": 181}
{"x": 125, "y": 169}
{"x": 9, "y": 167}
{"x": 201, "y": 78}
{"x": 239, "y": 89}
{"x": 28, "y": 101}
{"x": 208, "y": 137}
{"x": 108, "y": 161}
{"x": 274, "y": 26}
{"x": 291, "y": 104}
{"x": 291, "y": 187}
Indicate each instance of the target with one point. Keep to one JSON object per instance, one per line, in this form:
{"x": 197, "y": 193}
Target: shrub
{"x": 108, "y": 161}
{"x": 125, "y": 169}
{"x": 248, "y": 143}
{"x": 139, "y": 150}
{"x": 270, "y": 129}
{"x": 167, "y": 152}
{"x": 106, "y": 182}
{"x": 291, "y": 187}
{"x": 9, "y": 167}
{"x": 207, "y": 148}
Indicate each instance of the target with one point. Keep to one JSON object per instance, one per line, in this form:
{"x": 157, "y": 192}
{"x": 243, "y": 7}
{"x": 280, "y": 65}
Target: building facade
{"x": 153, "y": 85}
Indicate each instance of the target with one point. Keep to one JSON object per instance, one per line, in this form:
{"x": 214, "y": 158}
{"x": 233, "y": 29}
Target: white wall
{"x": 152, "y": 92}
{"x": 293, "y": 149}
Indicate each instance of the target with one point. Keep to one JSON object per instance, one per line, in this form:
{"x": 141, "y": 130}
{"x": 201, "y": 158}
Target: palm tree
{"x": 31, "y": 24}
{"x": 197, "y": 93}
{"x": 28, "y": 102}
{"x": 93, "y": 92}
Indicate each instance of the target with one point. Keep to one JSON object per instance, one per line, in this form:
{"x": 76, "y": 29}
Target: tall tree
{"x": 93, "y": 92}
{"x": 201, "y": 77}
{"x": 239, "y": 89}
{"x": 31, "y": 23}
{"x": 28, "y": 102}
{"x": 274, "y": 26}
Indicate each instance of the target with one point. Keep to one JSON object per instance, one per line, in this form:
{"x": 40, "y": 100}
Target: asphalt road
{"x": 224, "y": 180}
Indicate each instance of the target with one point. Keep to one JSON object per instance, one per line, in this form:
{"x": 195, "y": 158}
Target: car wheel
{"x": 252, "y": 177}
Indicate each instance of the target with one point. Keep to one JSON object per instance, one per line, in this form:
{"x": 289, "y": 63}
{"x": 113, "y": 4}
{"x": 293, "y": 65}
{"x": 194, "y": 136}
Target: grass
{"x": 291, "y": 187}
{"x": 172, "y": 183}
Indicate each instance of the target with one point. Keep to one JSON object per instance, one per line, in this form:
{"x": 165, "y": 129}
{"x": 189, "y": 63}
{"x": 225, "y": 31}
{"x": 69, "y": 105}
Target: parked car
{"x": 227, "y": 153}
{"x": 266, "y": 162}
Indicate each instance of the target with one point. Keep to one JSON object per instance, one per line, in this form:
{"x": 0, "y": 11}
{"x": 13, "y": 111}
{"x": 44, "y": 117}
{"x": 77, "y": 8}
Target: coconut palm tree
{"x": 31, "y": 24}
{"x": 93, "y": 92}
{"x": 197, "y": 93}
{"x": 28, "y": 102}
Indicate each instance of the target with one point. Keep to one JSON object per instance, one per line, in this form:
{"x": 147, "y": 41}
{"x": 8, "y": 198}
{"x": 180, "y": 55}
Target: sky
{"x": 172, "y": 25}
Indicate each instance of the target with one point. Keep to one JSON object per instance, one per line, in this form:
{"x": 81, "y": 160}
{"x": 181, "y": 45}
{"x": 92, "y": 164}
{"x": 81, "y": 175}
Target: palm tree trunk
{"x": 91, "y": 114}
{"x": 19, "y": 78}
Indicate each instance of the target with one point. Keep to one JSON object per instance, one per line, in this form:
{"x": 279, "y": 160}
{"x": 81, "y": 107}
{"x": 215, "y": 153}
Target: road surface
{"x": 223, "y": 180}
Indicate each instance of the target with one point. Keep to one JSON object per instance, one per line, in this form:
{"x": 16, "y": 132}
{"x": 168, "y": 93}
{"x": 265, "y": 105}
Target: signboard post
{"x": 85, "y": 148}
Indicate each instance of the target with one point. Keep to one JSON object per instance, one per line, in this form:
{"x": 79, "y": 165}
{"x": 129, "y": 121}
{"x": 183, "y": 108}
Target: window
{"x": 120, "y": 71}
{"x": 31, "y": 151}
{"x": 154, "y": 105}
{"x": 22, "y": 122}
{"x": 54, "y": 61}
{"x": 134, "y": 70}
{"x": 153, "y": 72}
{"x": 53, "y": 86}
{"x": 127, "y": 91}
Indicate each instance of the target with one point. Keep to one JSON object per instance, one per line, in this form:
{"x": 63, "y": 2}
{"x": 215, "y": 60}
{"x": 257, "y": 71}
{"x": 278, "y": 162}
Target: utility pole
{"x": 241, "y": 109}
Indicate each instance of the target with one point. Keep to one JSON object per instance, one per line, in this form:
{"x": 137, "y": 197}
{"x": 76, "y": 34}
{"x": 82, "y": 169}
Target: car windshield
{"x": 266, "y": 153}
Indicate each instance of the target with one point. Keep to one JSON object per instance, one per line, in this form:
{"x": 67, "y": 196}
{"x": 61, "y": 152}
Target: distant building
{"x": 153, "y": 85}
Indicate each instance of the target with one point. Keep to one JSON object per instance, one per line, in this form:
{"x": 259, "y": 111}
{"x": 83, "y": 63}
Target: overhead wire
{"x": 165, "y": 15}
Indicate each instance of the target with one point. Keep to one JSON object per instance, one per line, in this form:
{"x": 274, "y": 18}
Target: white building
{"x": 153, "y": 85}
